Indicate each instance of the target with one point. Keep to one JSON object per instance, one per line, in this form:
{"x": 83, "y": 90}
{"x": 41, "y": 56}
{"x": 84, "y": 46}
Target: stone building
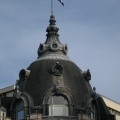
{"x": 113, "y": 107}
{"x": 53, "y": 87}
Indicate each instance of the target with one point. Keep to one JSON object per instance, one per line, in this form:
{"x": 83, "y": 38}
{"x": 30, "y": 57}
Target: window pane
{"x": 58, "y": 106}
{"x": 58, "y": 111}
{"x": 65, "y": 101}
{"x": 58, "y": 100}
{"x": 92, "y": 115}
{"x": 20, "y": 115}
{"x": 94, "y": 111}
{"x": 20, "y": 105}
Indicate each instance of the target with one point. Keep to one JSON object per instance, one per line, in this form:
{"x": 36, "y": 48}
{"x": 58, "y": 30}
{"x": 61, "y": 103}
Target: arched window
{"x": 19, "y": 110}
{"x": 94, "y": 111}
{"x": 58, "y": 106}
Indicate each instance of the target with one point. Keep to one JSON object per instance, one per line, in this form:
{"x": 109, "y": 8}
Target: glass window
{"x": 20, "y": 105}
{"x": 20, "y": 114}
{"x": 58, "y": 100}
{"x": 94, "y": 111}
{"x": 58, "y": 106}
{"x": 58, "y": 111}
{"x": 92, "y": 115}
{"x": 19, "y": 108}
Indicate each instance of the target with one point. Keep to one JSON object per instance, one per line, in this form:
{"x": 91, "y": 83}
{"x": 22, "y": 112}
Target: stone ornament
{"x": 17, "y": 93}
{"x": 52, "y": 43}
{"x": 57, "y": 69}
{"x": 86, "y": 75}
{"x": 52, "y": 47}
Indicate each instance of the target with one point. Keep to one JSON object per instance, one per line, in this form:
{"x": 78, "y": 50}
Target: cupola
{"x": 52, "y": 44}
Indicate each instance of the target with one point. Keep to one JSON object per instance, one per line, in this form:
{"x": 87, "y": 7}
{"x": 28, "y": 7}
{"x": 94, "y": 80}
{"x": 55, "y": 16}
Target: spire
{"x": 52, "y": 35}
{"x": 52, "y": 44}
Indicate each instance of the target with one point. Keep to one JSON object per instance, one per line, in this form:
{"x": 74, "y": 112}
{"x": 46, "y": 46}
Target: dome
{"x": 42, "y": 78}
{"x": 53, "y": 73}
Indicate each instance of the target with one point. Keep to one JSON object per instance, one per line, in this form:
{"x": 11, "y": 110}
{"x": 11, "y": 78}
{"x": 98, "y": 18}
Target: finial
{"x": 94, "y": 89}
{"x": 16, "y": 82}
{"x": 17, "y": 88}
{"x": 52, "y": 44}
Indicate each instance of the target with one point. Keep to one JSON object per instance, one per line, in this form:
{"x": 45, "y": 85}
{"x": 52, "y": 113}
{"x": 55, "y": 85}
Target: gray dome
{"x": 53, "y": 87}
{"x": 54, "y": 73}
{"x": 41, "y": 79}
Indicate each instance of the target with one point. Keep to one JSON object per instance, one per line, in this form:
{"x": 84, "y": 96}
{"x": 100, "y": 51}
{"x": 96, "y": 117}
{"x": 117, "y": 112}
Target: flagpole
{"x": 51, "y": 7}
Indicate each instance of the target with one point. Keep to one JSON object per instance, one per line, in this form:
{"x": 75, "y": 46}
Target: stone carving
{"x": 86, "y": 75}
{"x": 17, "y": 93}
{"x": 57, "y": 69}
{"x": 52, "y": 43}
{"x": 94, "y": 95}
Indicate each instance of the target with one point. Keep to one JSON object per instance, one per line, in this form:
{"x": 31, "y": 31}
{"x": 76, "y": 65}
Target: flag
{"x": 61, "y": 2}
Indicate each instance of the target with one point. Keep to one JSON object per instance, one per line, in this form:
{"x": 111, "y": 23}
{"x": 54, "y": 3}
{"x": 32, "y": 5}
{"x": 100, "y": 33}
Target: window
{"x": 19, "y": 108}
{"x": 94, "y": 111}
{"x": 58, "y": 106}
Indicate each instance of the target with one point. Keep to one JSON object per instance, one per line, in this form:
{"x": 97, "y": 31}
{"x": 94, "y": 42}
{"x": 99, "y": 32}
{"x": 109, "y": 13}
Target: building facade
{"x": 53, "y": 87}
{"x": 113, "y": 107}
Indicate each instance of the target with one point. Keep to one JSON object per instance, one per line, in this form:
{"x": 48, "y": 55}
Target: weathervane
{"x": 52, "y": 5}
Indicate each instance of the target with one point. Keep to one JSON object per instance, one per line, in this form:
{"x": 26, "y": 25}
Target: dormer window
{"x": 19, "y": 109}
{"x": 58, "y": 106}
{"x": 94, "y": 111}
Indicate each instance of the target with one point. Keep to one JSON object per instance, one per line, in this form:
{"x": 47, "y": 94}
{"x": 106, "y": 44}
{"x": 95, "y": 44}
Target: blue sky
{"x": 91, "y": 28}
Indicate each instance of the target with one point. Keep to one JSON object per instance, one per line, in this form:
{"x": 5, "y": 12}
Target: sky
{"x": 91, "y": 29}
